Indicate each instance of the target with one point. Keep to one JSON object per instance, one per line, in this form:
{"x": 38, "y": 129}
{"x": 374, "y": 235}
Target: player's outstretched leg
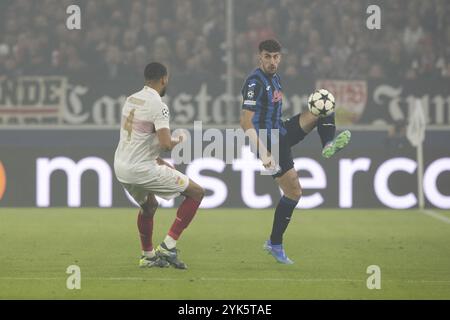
{"x": 326, "y": 128}
{"x": 288, "y": 182}
{"x": 149, "y": 258}
{"x": 336, "y": 144}
{"x": 167, "y": 249}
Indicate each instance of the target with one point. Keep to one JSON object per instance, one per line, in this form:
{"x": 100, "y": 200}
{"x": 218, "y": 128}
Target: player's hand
{"x": 268, "y": 162}
{"x": 176, "y": 140}
{"x": 180, "y": 135}
{"x": 271, "y": 166}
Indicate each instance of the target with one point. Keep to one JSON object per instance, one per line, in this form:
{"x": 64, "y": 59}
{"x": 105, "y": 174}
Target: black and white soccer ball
{"x": 321, "y": 103}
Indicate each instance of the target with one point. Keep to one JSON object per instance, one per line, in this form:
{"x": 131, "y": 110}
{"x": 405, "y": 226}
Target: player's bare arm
{"x": 247, "y": 126}
{"x": 166, "y": 142}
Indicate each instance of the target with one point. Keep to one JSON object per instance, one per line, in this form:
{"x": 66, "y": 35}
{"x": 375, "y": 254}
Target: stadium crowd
{"x": 322, "y": 38}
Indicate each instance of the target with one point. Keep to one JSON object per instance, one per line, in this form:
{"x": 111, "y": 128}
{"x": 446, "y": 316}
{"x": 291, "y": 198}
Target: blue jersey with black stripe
{"x": 262, "y": 94}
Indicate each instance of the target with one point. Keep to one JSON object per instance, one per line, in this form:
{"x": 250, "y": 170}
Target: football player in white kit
{"x": 144, "y": 133}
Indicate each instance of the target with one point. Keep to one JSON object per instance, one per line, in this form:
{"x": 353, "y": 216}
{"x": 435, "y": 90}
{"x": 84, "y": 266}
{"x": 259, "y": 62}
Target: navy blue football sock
{"x": 283, "y": 214}
{"x": 326, "y": 128}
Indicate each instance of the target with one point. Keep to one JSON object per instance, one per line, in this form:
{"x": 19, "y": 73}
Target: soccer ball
{"x": 321, "y": 103}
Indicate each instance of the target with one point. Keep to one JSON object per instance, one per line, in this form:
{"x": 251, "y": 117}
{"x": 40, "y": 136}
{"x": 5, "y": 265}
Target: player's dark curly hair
{"x": 155, "y": 71}
{"x": 270, "y": 45}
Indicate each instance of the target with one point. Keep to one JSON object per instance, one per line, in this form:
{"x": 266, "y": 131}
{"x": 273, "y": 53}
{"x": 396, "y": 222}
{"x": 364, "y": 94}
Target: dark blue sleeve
{"x": 251, "y": 94}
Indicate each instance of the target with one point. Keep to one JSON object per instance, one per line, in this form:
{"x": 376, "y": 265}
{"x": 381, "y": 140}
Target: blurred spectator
{"x": 325, "y": 68}
{"x": 73, "y": 63}
{"x": 396, "y": 62}
{"x": 291, "y": 66}
{"x": 340, "y": 53}
{"x": 444, "y": 55}
{"x": 376, "y": 72}
{"x": 412, "y": 35}
{"x": 162, "y": 51}
{"x": 113, "y": 62}
{"x": 396, "y": 138}
{"x": 360, "y": 66}
{"x": 424, "y": 64}
{"x": 182, "y": 53}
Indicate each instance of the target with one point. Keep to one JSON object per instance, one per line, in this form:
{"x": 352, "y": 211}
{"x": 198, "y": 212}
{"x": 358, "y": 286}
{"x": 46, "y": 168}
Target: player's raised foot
{"x": 153, "y": 262}
{"x": 277, "y": 252}
{"x": 337, "y": 144}
{"x": 171, "y": 256}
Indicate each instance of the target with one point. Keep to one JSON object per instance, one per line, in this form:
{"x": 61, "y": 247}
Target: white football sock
{"x": 149, "y": 254}
{"x": 170, "y": 242}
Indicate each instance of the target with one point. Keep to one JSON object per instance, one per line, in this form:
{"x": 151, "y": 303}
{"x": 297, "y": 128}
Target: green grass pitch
{"x": 223, "y": 249}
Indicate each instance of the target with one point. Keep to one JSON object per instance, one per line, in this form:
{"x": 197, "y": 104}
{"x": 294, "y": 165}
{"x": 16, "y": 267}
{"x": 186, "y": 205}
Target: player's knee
{"x": 153, "y": 206}
{"x": 200, "y": 193}
{"x": 195, "y": 191}
{"x": 296, "y": 194}
{"x": 150, "y": 207}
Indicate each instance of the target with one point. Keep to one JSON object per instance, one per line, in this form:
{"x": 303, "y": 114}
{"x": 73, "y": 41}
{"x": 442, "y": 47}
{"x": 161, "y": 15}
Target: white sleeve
{"x": 161, "y": 117}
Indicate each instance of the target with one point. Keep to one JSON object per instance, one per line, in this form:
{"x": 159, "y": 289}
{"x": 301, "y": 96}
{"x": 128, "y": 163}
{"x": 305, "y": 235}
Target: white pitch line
{"x": 426, "y": 281}
{"x": 436, "y": 216}
{"x": 184, "y": 279}
{"x": 30, "y": 278}
{"x": 226, "y": 279}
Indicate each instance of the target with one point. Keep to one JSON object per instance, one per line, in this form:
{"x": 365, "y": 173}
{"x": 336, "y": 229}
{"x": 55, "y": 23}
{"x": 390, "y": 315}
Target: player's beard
{"x": 163, "y": 92}
{"x": 271, "y": 70}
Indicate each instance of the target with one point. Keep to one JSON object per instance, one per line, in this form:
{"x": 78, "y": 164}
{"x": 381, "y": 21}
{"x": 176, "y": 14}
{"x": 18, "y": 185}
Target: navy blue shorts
{"x": 294, "y": 134}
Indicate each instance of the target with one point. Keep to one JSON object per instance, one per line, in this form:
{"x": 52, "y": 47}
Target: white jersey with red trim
{"x": 143, "y": 113}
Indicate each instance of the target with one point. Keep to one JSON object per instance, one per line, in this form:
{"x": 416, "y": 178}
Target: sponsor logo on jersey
{"x": 165, "y": 113}
{"x": 180, "y": 181}
{"x": 277, "y": 96}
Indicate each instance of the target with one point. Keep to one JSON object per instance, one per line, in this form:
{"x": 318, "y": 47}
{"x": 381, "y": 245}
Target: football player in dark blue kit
{"x": 261, "y": 109}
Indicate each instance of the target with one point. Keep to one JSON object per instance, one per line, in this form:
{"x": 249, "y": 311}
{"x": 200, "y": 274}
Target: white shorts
{"x": 162, "y": 181}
